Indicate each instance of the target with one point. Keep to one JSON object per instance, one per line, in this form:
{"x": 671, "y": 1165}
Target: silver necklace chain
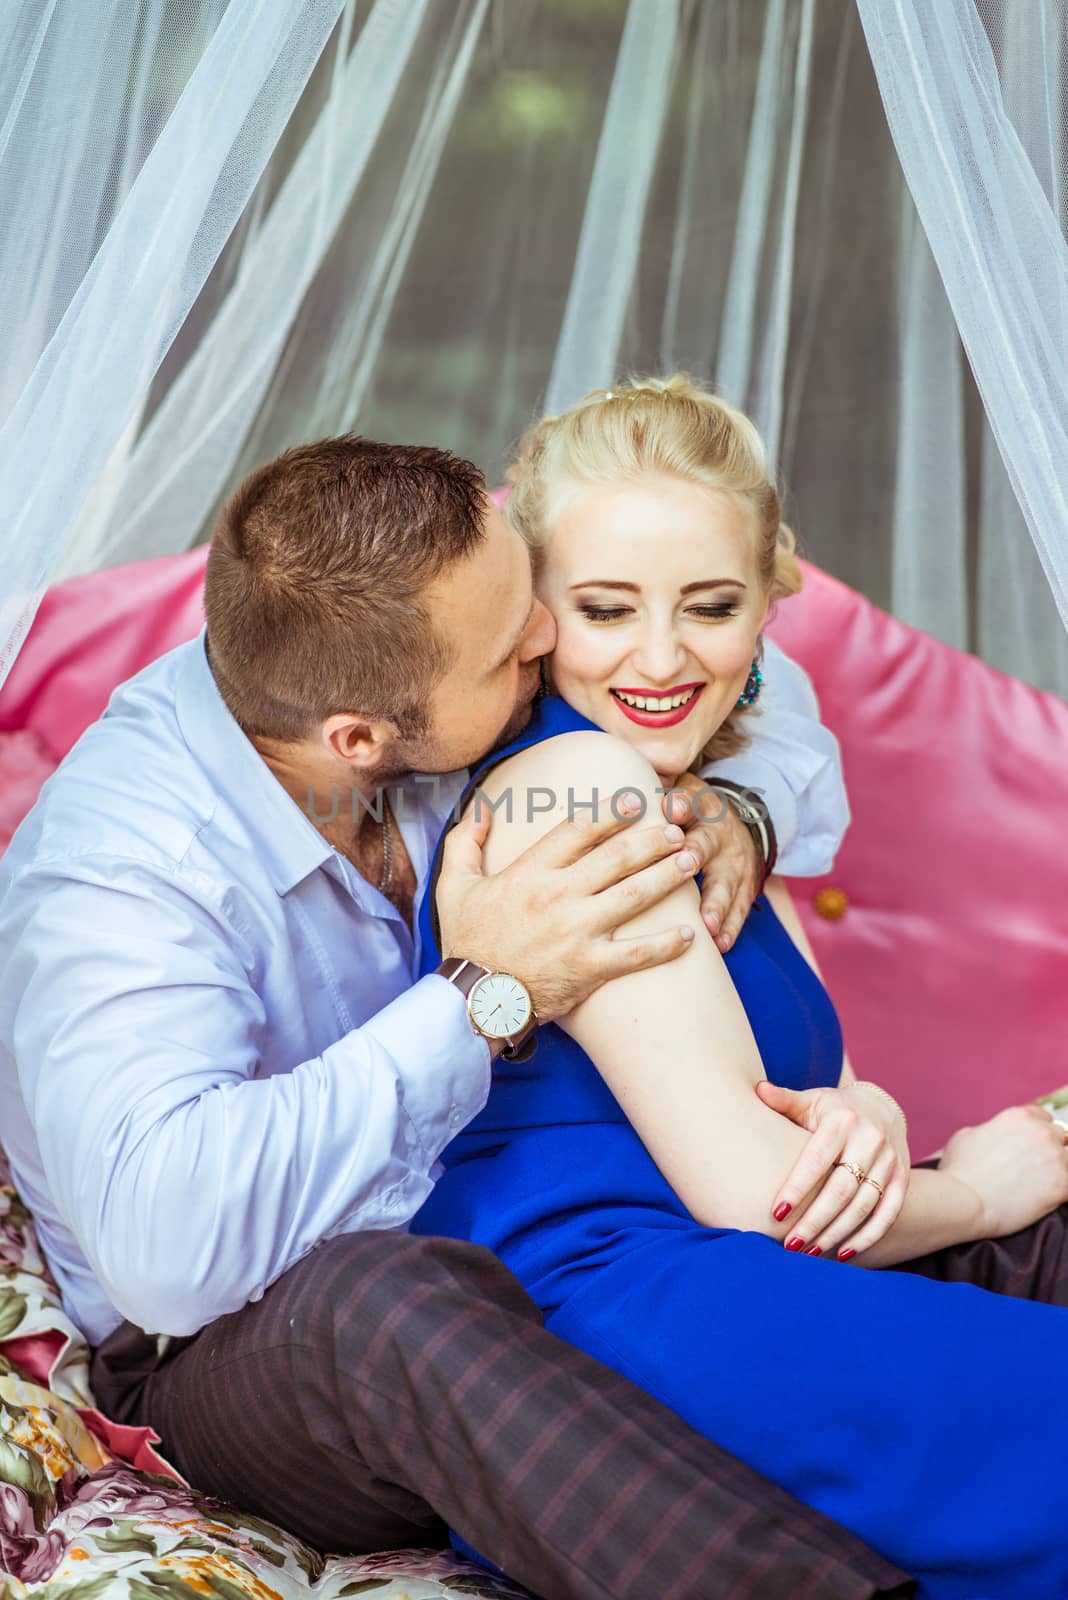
{"x": 385, "y": 881}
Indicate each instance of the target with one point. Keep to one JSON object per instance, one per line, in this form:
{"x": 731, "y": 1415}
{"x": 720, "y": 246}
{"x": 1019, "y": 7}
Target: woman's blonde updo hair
{"x": 667, "y": 425}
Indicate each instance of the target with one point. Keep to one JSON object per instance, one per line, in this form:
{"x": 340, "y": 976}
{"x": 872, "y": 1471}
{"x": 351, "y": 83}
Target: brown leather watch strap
{"x": 464, "y": 975}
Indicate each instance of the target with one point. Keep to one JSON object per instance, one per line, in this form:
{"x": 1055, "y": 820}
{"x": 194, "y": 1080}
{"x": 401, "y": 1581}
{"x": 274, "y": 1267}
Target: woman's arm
{"x": 694, "y": 1108}
{"x": 936, "y": 1213}
{"x": 992, "y": 1180}
{"x": 692, "y": 1103}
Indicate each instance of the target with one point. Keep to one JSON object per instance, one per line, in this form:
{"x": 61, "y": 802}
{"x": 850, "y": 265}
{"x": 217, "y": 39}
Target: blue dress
{"x": 918, "y": 1414}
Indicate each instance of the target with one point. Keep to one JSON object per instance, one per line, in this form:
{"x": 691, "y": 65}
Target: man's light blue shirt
{"x": 212, "y": 1052}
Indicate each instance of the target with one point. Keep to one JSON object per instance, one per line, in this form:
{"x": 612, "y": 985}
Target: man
{"x": 224, "y": 1098}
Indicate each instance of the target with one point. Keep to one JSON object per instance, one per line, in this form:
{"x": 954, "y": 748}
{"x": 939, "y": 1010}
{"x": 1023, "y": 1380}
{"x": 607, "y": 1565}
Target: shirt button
{"x": 455, "y": 1118}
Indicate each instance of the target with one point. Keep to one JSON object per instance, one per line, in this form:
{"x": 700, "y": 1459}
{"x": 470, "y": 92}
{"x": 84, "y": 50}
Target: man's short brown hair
{"x": 315, "y": 578}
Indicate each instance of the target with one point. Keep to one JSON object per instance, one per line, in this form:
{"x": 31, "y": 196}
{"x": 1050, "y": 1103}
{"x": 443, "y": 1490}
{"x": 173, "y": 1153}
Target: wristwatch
{"x": 498, "y": 1005}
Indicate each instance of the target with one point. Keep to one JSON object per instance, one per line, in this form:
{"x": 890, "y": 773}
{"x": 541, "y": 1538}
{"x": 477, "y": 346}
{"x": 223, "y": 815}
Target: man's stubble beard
{"x": 420, "y": 754}
{"x": 521, "y": 713}
{"x": 515, "y": 725}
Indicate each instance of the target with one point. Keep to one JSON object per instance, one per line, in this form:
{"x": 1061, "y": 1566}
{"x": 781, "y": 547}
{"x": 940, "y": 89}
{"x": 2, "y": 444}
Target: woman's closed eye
{"x": 714, "y": 613}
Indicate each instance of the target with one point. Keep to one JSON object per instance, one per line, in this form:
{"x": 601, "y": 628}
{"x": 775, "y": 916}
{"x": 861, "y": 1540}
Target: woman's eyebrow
{"x": 604, "y": 583}
{"x": 632, "y": 588}
{"x": 712, "y": 583}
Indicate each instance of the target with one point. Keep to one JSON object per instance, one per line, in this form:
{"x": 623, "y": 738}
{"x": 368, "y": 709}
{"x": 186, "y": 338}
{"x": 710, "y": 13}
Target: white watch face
{"x": 499, "y": 1005}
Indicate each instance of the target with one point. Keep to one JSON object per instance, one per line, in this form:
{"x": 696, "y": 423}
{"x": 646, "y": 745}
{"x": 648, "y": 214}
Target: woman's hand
{"x": 1017, "y": 1163}
{"x": 852, "y": 1124}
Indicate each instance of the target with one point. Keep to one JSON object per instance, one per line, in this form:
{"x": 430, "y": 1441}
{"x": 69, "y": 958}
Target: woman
{"x": 622, "y": 1173}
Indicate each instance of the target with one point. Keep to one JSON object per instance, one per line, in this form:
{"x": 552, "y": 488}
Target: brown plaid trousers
{"x": 387, "y": 1386}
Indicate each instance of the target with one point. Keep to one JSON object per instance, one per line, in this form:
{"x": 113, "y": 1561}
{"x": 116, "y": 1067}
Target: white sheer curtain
{"x": 1015, "y": 598}
{"x": 613, "y": 224}
{"x": 108, "y": 241}
{"x": 975, "y": 146}
{"x": 169, "y": 481}
{"x": 233, "y": 224}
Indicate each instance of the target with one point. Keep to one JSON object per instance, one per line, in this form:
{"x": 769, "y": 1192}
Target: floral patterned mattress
{"x": 88, "y": 1509}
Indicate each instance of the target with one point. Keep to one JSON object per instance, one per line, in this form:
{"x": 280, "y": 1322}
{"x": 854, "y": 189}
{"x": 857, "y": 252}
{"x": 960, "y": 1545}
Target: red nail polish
{"x": 813, "y": 1250}
{"x": 795, "y": 1243}
{"x": 782, "y": 1210}
{"x": 845, "y": 1255}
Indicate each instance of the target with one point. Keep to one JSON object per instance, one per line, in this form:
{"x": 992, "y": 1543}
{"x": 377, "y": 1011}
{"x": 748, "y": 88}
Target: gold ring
{"x": 875, "y": 1184}
{"x": 851, "y": 1166}
{"x": 1063, "y": 1126}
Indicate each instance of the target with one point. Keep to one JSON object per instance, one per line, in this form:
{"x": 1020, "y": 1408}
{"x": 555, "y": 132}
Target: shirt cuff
{"x": 446, "y": 1077}
{"x": 811, "y": 855}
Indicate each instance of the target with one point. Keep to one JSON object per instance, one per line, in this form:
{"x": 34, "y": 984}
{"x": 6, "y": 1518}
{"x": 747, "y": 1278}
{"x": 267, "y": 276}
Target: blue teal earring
{"x": 753, "y": 685}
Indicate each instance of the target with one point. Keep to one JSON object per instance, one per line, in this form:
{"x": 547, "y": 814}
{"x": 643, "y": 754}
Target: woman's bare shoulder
{"x": 558, "y": 779}
{"x": 585, "y": 754}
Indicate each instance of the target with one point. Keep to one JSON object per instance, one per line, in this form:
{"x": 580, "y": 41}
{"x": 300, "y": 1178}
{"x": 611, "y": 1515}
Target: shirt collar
{"x": 290, "y": 847}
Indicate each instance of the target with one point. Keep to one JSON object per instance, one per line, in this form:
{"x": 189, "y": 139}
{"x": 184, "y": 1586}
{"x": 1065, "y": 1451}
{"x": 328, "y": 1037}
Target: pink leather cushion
{"x": 91, "y": 634}
{"x": 25, "y": 764}
{"x": 950, "y": 962}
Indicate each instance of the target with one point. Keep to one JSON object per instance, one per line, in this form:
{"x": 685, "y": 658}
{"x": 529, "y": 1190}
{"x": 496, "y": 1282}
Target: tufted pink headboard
{"x": 949, "y": 960}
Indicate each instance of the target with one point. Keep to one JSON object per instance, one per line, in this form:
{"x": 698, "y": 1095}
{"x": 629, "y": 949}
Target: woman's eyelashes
{"x": 713, "y": 613}
{"x": 725, "y": 608}
{"x": 604, "y": 613}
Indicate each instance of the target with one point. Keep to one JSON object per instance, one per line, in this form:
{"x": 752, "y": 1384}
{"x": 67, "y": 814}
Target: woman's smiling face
{"x": 657, "y": 599}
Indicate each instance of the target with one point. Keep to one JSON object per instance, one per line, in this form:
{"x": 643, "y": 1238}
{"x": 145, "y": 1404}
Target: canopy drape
{"x": 230, "y": 225}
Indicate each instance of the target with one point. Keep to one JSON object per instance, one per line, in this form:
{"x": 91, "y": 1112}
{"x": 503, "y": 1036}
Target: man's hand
{"x": 728, "y": 854}
{"x": 549, "y": 918}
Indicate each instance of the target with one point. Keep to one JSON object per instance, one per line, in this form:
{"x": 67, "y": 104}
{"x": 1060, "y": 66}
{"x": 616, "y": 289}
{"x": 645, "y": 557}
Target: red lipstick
{"x": 658, "y": 719}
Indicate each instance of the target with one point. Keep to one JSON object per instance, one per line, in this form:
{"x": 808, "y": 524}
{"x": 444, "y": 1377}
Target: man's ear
{"x": 359, "y": 741}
